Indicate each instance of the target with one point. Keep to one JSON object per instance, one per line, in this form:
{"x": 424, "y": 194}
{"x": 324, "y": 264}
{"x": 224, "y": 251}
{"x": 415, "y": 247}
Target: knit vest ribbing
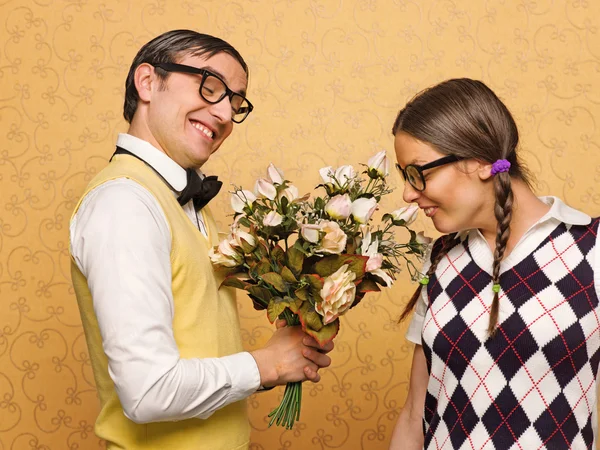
{"x": 533, "y": 384}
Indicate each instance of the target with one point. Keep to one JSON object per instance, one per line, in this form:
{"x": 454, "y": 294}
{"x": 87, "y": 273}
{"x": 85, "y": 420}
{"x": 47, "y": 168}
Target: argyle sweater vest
{"x": 532, "y": 385}
{"x": 205, "y": 325}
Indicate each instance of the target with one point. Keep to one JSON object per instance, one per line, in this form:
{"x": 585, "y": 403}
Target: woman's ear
{"x": 484, "y": 170}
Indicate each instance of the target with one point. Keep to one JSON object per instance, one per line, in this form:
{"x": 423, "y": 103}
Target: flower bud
{"x": 363, "y": 208}
{"x": 272, "y": 219}
{"x": 339, "y": 207}
{"x": 265, "y": 189}
{"x": 379, "y": 165}
{"x": 275, "y": 174}
{"x": 311, "y": 232}
{"x": 408, "y": 214}
{"x": 240, "y": 199}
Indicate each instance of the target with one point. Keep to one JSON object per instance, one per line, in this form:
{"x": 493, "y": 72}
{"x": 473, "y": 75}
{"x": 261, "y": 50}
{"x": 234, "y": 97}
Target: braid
{"x": 445, "y": 240}
{"x": 503, "y": 212}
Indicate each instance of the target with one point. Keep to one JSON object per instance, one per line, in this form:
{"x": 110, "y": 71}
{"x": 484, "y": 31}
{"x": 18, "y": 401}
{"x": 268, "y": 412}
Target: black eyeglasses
{"x": 413, "y": 173}
{"x": 213, "y": 89}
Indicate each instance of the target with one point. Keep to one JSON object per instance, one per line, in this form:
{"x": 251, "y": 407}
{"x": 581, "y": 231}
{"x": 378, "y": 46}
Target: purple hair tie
{"x": 502, "y": 165}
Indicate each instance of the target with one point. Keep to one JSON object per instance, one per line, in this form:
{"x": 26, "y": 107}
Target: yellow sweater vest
{"x": 205, "y": 325}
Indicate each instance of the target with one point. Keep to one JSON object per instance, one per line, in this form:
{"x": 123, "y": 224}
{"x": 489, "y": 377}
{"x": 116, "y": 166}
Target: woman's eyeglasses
{"x": 413, "y": 173}
{"x": 213, "y": 89}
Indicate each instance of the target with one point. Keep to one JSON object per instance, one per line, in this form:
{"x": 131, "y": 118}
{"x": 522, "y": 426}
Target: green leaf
{"x": 309, "y": 318}
{"x": 368, "y": 285}
{"x": 295, "y": 304}
{"x": 315, "y": 281}
{"x": 284, "y": 205}
{"x": 235, "y": 282}
{"x": 276, "y": 306}
{"x": 275, "y": 280}
{"x": 245, "y": 222}
{"x": 319, "y": 203}
{"x": 295, "y": 259}
{"x": 357, "y": 264}
{"x": 262, "y": 267}
{"x": 325, "y": 334}
{"x": 262, "y": 250}
{"x": 330, "y": 264}
{"x": 302, "y": 293}
{"x": 287, "y": 275}
{"x": 278, "y": 254}
{"x": 260, "y": 292}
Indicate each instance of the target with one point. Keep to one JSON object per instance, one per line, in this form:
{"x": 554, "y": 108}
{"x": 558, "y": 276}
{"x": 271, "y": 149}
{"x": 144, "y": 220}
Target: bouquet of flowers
{"x": 309, "y": 260}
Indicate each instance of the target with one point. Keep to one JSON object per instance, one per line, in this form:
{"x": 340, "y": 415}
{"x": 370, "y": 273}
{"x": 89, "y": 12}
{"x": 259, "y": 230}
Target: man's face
{"x": 183, "y": 125}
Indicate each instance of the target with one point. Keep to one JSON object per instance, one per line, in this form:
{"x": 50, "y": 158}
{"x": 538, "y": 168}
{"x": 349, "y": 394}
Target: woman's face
{"x": 457, "y": 196}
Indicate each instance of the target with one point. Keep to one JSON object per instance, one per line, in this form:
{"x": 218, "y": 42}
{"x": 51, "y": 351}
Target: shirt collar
{"x": 559, "y": 211}
{"x": 563, "y": 213}
{"x": 172, "y": 172}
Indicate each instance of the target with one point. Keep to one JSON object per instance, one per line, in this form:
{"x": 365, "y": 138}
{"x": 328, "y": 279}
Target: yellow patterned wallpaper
{"x": 327, "y": 78}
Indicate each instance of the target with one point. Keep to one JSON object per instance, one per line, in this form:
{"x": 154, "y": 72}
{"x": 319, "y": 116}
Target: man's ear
{"x": 484, "y": 170}
{"x": 143, "y": 77}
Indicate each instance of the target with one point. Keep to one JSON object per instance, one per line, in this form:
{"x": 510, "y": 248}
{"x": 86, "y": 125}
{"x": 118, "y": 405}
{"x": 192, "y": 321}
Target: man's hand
{"x": 290, "y": 355}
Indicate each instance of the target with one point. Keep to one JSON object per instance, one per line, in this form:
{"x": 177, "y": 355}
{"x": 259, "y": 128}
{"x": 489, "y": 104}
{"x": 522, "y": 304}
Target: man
{"x": 164, "y": 340}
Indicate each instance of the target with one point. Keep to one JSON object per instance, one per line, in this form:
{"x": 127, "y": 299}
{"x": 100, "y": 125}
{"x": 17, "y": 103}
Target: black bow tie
{"x": 200, "y": 190}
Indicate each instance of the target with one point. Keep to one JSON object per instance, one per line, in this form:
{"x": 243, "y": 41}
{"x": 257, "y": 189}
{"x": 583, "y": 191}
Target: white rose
{"x": 406, "y": 213}
{"x": 240, "y": 199}
{"x": 311, "y": 232}
{"x": 240, "y": 236}
{"x": 275, "y": 174}
{"x": 363, "y": 208}
{"x": 339, "y": 207}
{"x": 334, "y": 240}
{"x": 370, "y": 248}
{"x": 225, "y": 255}
{"x": 264, "y": 188}
{"x": 272, "y": 219}
{"x": 422, "y": 239}
{"x": 379, "y": 164}
{"x": 327, "y": 174}
{"x": 338, "y": 294}
{"x": 290, "y": 192}
{"x": 343, "y": 174}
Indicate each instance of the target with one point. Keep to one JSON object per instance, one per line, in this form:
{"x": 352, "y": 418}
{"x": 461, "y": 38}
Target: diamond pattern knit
{"x": 533, "y": 384}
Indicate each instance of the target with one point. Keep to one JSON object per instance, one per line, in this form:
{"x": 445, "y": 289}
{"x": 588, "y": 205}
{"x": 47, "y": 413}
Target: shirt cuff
{"x": 415, "y": 329}
{"x": 245, "y": 378}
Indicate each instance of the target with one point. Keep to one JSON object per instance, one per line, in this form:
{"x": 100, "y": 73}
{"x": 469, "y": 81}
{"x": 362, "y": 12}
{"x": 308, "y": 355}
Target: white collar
{"x": 559, "y": 211}
{"x": 172, "y": 172}
{"x": 563, "y": 212}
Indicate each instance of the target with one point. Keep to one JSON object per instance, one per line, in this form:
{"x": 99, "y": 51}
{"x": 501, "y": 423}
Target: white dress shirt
{"x": 121, "y": 233}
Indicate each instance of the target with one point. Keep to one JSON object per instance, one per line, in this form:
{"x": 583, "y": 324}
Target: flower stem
{"x": 288, "y": 411}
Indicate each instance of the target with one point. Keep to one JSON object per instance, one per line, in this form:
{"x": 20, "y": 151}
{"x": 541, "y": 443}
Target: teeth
{"x": 429, "y": 211}
{"x": 200, "y": 127}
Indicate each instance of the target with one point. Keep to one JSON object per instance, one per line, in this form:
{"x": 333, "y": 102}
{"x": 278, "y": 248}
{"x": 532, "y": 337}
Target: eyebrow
{"x": 220, "y": 74}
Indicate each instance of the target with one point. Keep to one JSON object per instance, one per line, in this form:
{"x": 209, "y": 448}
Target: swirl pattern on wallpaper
{"x": 327, "y": 78}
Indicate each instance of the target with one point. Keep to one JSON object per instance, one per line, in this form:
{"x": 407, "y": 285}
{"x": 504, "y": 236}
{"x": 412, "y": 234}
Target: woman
{"x": 506, "y": 321}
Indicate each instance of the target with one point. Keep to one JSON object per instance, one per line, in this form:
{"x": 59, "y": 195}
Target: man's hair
{"x": 170, "y": 47}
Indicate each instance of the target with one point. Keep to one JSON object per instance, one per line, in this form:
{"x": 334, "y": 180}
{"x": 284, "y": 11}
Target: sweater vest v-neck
{"x": 205, "y": 325}
{"x": 532, "y": 385}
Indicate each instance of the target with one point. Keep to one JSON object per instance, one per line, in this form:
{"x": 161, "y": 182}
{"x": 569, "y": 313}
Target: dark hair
{"x": 463, "y": 117}
{"x": 169, "y": 47}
